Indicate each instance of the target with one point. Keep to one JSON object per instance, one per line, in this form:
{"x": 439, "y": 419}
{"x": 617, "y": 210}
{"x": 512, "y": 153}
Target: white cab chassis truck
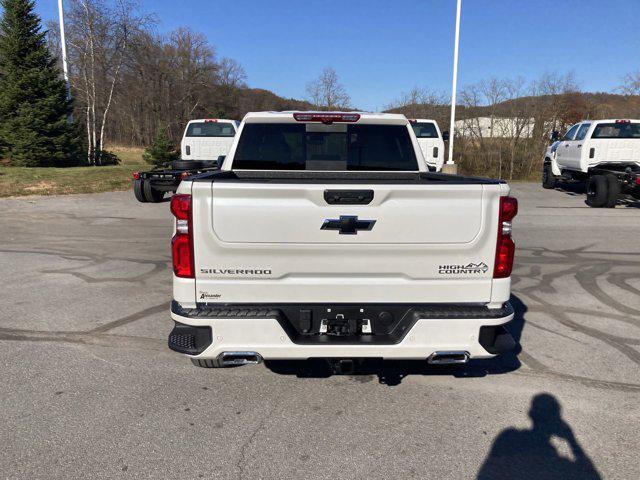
{"x": 603, "y": 153}
{"x": 324, "y": 236}
{"x": 205, "y": 143}
{"x": 431, "y": 142}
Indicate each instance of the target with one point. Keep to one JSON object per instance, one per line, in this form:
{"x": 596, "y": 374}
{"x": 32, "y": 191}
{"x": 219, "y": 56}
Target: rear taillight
{"x": 326, "y": 117}
{"x": 637, "y": 179}
{"x": 136, "y": 175}
{"x": 182, "y": 241}
{"x": 505, "y": 248}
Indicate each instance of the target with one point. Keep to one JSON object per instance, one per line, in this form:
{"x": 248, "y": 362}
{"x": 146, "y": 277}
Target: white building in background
{"x": 495, "y": 127}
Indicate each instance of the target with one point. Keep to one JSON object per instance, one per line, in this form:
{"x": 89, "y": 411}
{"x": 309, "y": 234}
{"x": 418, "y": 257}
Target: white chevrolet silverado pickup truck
{"x": 603, "y": 153}
{"x": 324, "y": 236}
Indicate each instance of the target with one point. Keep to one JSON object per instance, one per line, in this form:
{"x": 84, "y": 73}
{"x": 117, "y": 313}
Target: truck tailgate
{"x": 254, "y": 213}
{"x": 420, "y": 243}
{"x": 616, "y": 150}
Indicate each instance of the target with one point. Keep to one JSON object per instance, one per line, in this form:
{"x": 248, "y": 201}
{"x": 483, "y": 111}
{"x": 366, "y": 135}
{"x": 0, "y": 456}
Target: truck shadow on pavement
{"x": 392, "y": 372}
{"x": 579, "y": 189}
{"x": 576, "y": 189}
{"x": 539, "y": 452}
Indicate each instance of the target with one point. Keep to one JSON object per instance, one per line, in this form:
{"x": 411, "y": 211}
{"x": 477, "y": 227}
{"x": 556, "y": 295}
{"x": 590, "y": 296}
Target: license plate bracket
{"x": 341, "y": 325}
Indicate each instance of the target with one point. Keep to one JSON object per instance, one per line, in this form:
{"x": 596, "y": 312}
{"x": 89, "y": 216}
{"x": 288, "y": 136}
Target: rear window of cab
{"x": 424, "y": 130}
{"x": 616, "y": 130}
{"x": 210, "y": 129}
{"x": 337, "y": 147}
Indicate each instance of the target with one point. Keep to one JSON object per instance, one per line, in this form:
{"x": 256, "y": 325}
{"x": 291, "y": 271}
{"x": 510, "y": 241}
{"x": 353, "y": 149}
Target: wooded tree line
{"x": 503, "y": 125}
{"x": 130, "y": 83}
{"x": 520, "y": 116}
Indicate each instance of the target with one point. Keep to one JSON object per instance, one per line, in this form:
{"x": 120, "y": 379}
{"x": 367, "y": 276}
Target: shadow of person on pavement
{"x": 531, "y": 454}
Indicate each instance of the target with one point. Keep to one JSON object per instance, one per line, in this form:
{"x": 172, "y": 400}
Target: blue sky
{"x": 380, "y": 48}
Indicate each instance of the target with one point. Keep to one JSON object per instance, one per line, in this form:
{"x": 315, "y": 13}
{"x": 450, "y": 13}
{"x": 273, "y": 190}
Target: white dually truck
{"x": 603, "y": 153}
{"x": 324, "y": 236}
{"x": 204, "y": 143}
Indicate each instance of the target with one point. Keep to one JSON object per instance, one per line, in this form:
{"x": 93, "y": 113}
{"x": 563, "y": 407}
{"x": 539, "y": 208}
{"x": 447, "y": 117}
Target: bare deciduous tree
{"x": 327, "y": 93}
{"x": 506, "y": 122}
{"x": 231, "y": 73}
{"x": 631, "y": 83}
{"x": 553, "y": 91}
{"x": 99, "y": 37}
{"x": 420, "y": 103}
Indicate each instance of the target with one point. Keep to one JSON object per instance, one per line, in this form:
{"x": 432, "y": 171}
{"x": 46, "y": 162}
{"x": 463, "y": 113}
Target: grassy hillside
{"x": 57, "y": 181}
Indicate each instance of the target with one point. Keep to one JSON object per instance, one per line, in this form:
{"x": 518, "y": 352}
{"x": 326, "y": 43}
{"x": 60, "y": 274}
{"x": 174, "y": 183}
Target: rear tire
{"x": 206, "y": 362}
{"x": 138, "y": 192}
{"x": 151, "y": 194}
{"x": 597, "y": 191}
{"x": 613, "y": 191}
{"x": 549, "y": 180}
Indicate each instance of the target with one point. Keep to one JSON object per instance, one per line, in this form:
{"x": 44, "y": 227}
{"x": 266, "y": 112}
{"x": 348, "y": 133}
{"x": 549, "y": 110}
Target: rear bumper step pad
{"x": 388, "y": 324}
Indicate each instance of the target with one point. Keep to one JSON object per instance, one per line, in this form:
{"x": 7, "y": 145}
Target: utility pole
{"x": 63, "y": 46}
{"x": 450, "y": 166}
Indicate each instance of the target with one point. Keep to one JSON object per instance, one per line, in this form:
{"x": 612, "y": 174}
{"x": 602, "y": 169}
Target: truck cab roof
{"x": 338, "y": 116}
{"x": 213, "y": 120}
{"x": 612, "y": 120}
{"x": 422, "y": 120}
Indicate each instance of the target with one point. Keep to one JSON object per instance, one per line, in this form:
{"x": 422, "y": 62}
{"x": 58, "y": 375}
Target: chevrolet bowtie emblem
{"x": 348, "y": 224}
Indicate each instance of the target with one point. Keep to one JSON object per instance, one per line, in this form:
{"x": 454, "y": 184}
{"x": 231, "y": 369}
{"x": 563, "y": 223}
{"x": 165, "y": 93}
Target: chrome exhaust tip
{"x": 448, "y": 357}
{"x": 230, "y": 359}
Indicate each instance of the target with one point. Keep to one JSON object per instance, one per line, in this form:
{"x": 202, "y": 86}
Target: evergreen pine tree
{"x": 160, "y": 151}
{"x": 34, "y": 108}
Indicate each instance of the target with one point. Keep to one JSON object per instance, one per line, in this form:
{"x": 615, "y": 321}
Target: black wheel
{"x": 138, "y": 191}
{"x": 206, "y": 362}
{"x": 187, "y": 164}
{"x": 613, "y": 191}
{"x": 597, "y": 189}
{"x": 549, "y": 180}
{"x": 151, "y": 194}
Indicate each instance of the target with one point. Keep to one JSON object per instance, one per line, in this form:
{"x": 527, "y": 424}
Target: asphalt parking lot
{"x": 90, "y": 390}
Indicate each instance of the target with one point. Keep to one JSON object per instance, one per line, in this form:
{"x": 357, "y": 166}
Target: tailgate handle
{"x": 348, "y": 197}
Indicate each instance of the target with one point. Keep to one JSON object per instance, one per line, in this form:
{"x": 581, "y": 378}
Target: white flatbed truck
{"x": 204, "y": 144}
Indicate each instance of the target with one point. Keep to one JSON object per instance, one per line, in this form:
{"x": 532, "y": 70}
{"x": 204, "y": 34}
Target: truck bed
{"x": 398, "y": 178}
{"x": 276, "y": 237}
